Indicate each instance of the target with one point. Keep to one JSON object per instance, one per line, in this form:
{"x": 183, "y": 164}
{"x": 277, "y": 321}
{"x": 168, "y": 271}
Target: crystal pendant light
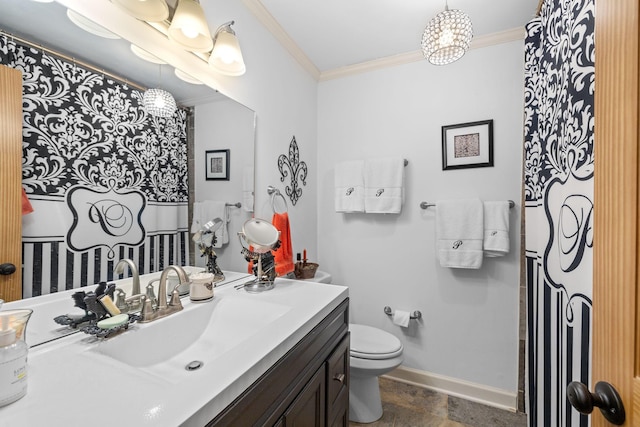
{"x": 159, "y": 103}
{"x": 447, "y": 36}
{"x": 226, "y": 57}
{"x": 189, "y": 27}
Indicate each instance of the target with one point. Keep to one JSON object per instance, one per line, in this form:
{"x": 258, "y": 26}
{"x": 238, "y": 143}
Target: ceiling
{"x": 340, "y": 33}
{"x": 327, "y": 35}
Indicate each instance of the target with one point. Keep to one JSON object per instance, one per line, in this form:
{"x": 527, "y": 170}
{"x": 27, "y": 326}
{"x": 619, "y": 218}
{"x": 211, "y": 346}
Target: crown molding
{"x": 415, "y": 56}
{"x": 263, "y": 15}
{"x": 257, "y": 8}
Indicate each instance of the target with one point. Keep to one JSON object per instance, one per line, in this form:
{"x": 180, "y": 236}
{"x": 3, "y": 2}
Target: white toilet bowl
{"x": 374, "y": 352}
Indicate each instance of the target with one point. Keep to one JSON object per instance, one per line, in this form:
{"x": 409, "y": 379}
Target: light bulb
{"x": 189, "y": 32}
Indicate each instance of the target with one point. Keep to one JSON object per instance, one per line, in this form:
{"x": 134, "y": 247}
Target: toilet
{"x": 374, "y": 352}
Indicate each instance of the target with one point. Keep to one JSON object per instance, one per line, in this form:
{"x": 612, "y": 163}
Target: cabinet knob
{"x": 7, "y": 269}
{"x": 339, "y": 377}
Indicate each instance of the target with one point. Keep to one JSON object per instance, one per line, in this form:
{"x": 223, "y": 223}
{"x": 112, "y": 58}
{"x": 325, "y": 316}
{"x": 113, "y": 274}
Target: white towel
{"x": 459, "y": 231}
{"x": 383, "y": 185}
{"x": 349, "y": 186}
{"x": 208, "y": 210}
{"x": 496, "y": 228}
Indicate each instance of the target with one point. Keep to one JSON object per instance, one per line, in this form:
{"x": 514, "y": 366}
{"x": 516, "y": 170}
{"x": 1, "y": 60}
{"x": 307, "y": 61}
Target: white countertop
{"x": 71, "y": 379}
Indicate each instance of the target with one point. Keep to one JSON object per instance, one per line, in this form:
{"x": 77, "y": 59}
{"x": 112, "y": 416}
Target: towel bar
{"x": 235, "y": 205}
{"x": 415, "y": 315}
{"x": 425, "y": 205}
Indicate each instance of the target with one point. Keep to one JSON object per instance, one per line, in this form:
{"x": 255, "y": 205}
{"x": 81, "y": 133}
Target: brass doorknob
{"x": 7, "y": 268}
{"x": 605, "y": 397}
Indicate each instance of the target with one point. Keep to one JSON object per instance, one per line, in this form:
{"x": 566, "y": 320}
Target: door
{"x": 10, "y": 183}
{"x": 616, "y": 318}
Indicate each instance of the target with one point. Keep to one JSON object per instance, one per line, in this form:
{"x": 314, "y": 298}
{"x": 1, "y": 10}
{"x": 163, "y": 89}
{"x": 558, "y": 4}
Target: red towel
{"x": 283, "y": 256}
{"x": 26, "y": 204}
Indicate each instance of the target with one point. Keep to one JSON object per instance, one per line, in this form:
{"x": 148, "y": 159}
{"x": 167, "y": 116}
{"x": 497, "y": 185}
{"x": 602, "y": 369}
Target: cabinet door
{"x": 11, "y": 181}
{"x": 308, "y": 410}
{"x": 338, "y": 385}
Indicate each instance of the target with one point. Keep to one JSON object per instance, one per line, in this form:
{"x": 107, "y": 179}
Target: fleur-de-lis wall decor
{"x": 293, "y": 166}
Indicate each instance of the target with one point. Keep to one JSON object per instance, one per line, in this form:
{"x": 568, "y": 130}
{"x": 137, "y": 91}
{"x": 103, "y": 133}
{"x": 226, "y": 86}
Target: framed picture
{"x": 217, "y": 164}
{"x": 467, "y": 145}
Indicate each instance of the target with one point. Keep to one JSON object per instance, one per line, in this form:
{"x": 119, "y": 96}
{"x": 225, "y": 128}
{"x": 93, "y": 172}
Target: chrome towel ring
{"x": 274, "y": 193}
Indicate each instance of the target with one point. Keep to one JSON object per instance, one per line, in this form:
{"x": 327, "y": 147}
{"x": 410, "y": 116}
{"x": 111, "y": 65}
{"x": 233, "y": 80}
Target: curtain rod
{"x": 73, "y": 60}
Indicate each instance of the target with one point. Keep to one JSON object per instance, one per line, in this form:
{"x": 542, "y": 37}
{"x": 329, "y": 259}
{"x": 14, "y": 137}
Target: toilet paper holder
{"x": 416, "y": 314}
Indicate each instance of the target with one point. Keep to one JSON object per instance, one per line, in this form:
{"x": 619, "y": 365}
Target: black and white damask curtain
{"x": 558, "y": 167}
{"x": 106, "y": 180}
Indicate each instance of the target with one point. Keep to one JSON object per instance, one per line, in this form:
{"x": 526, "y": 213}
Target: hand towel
{"x": 496, "y": 228}
{"x": 349, "y": 186}
{"x": 383, "y": 185}
{"x": 459, "y": 232}
{"x": 26, "y": 204}
{"x": 283, "y": 256}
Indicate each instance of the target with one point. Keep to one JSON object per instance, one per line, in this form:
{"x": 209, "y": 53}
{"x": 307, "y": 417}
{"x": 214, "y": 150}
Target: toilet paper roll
{"x": 401, "y": 318}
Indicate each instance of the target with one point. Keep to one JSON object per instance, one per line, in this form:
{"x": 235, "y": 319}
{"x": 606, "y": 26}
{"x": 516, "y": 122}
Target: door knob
{"x": 7, "y": 268}
{"x": 605, "y": 397}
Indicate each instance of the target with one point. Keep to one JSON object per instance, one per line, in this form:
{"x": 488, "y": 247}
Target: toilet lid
{"x": 373, "y": 343}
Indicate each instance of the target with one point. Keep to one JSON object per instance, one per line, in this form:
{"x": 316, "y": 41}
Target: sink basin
{"x": 199, "y": 332}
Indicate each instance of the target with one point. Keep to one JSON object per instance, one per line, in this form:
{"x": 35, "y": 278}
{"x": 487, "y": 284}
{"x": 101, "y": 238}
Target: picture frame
{"x": 467, "y": 145}
{"x": 217, "y": 165}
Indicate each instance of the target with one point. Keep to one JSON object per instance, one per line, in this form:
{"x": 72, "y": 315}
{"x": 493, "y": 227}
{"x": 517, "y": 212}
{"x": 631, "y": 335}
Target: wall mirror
{"x": 49, "y": 26}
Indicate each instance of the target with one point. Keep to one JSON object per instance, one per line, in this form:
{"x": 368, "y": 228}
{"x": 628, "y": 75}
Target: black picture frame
{"x": 217, "y": 165}
{"x": 467, "y": 145}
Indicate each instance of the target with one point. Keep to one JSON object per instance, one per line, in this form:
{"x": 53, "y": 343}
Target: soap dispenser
{"x": 13, "y": 356}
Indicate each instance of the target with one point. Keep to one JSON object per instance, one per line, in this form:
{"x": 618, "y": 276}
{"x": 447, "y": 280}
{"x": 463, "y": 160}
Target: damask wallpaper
{"x": 106, "y": 180}
{"x": 558, "y": 168}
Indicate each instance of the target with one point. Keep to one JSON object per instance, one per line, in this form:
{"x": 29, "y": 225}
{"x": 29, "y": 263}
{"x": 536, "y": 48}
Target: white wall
{"x": 224, "y": 125}
{"x": 470, "y": 326}
{"x": 284, "y": 98}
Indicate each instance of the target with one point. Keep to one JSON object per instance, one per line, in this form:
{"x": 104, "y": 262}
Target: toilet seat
{"x": 372, "y": 343}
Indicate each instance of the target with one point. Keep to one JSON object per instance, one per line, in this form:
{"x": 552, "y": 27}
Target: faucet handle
{"x": 175, "y": 299}
{"x": 121, "y": 300}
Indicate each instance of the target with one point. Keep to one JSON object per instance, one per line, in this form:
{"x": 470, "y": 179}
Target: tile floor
{"x": 410, "y": 406}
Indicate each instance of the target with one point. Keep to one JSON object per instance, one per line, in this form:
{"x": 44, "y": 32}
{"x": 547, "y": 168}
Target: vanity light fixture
{"x": 226, "y": 57}
{"x": 90, "y": 26}
{"x": 189, "y": 27}
{"x": 143, "y": 54}
{"x": 145, "y": 10}
{"x": 186, "y": 77}
{"x": 447, "y": 36}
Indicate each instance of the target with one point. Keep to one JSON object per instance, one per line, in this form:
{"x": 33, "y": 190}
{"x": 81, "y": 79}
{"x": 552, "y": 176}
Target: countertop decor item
{"x": 298, "y": 170}
{"x": 304, "y": 269}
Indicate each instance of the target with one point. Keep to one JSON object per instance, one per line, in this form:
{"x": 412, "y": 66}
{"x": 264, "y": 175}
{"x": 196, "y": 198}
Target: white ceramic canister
{"x": 13, "y": 367}
{"x": 201, "y": 288}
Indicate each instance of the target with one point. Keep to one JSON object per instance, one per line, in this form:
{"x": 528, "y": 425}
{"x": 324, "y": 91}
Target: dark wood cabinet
{"x": 307, "y": 387}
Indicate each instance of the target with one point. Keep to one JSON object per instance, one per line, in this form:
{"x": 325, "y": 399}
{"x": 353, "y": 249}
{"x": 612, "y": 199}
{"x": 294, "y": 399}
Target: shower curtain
{"x": 106, "y": 180}
{"x": 558, "y": 187}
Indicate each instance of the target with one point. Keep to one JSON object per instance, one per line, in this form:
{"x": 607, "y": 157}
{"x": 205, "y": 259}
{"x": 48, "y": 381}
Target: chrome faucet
{"x": 163, "y": 308}
{"x": 135, "y": 289}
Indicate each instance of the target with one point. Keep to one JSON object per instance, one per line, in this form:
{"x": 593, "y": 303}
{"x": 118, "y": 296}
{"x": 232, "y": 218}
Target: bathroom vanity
{"x": 273, "y": 358}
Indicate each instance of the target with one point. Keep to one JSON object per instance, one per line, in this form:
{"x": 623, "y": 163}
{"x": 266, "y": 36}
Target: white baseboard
{"x": 486, "y": 395}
